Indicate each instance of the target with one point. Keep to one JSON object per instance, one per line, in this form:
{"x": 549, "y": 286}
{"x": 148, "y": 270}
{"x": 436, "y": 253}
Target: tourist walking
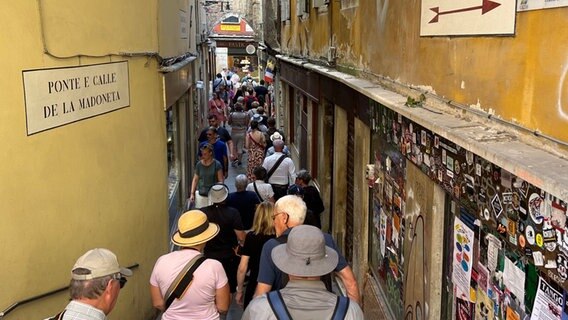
{"x": 239, "y": 122}
{"x": 280, "y": 170}
{"x": 244, "y": 201}
{"x": 207, "y": 172}
{"x": 205, "y": 294}
{"x": 255, "y": 144}
{"x": 218, "y": 107}
{"x": 262, "y": 189}
{"x": 262, "y": 231}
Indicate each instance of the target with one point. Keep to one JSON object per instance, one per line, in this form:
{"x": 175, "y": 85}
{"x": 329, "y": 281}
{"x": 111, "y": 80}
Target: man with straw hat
{"x": 305, "y": 258}
{"x": 206, "y": 295}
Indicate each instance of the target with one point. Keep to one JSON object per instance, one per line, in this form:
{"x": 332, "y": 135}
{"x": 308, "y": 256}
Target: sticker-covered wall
{"x": 506, "y": 240}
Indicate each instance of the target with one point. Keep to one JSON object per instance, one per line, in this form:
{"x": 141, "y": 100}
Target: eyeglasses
{"x": 277, "y": 214}
{"x": 121, "y": 280}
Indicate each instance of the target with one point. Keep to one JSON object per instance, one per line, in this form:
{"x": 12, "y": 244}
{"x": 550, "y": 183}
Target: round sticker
{"x": 486, "y": 214}
{"x": 539, "y": 240}
{"x": 534, "y": 205}
{"x": 529, "y": 233}
{"x": 522, "y": 242}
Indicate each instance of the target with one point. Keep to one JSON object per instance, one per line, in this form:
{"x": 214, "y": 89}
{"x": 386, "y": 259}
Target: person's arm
{"x": 241, "y": 272}
{"x": 348, "y": 278}
{"x": 220, "y": 175}
{"x": 157, "y": 299}
{"x": 247, "y": 142}
{"x": 223, "y": 299}
{"x": 262, "y": 288}
{"x": 193, "y": 187}
{"x": 292, "y": 172}
{"x": 231, "y": 149}
{"x": 241, "y": 235}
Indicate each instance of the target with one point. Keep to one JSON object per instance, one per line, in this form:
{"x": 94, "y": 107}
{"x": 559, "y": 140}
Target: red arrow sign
{"x": 485, "y": 7}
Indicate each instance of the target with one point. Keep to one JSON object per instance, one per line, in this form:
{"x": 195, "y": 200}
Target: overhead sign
{"x": 230, "y": 27}
{"x": 467, "y": 17}
{"x": 55, "y": 97}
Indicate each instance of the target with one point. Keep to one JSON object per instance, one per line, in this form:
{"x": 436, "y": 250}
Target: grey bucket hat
{"x": 305, "y": 254}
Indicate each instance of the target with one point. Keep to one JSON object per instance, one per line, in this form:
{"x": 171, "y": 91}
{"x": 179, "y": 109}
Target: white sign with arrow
{"x": 467, "y": 17}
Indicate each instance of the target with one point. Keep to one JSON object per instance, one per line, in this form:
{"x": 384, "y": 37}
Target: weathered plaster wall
{"x": 520, "y": 78}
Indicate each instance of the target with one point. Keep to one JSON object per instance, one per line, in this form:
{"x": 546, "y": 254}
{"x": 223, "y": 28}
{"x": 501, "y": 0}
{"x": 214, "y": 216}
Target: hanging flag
{"x": 269, "y": 71}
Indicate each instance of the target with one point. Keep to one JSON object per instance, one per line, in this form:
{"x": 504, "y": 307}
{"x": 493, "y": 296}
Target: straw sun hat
{"x": 194, "y": 228}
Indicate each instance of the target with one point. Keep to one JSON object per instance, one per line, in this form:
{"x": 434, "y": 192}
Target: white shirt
{"x": 284, "y": 174}
{"x": 264, "y": 189}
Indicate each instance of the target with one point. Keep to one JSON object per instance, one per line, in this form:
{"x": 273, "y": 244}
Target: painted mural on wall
{"x": 510, "y": 242}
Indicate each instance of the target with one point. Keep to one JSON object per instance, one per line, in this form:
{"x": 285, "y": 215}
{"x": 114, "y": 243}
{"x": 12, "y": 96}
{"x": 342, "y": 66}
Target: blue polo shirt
{"x": 270, "y": 274}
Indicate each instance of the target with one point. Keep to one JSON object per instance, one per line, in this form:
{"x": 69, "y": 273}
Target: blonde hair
{"x": 263, "y": 222}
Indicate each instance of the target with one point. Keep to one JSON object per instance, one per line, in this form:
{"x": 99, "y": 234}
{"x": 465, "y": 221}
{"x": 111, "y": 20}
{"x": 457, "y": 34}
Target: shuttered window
{"x": 319, "y": 3}
{"x": 285, "y": 10}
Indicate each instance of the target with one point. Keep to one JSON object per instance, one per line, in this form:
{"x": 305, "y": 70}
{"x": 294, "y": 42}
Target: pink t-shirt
{"x": 198, "y": 302}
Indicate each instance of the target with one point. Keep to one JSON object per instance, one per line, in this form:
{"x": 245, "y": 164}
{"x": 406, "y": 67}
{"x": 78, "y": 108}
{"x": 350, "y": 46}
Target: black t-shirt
{"x": 245, "y": 202}
{"x": 261, "y": 91}
{"x": 223, "y": 134}
{"x": 253, "y": 249}
{"x": 229, "y": 220}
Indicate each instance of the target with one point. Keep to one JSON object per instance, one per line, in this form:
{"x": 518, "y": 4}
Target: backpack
{"x": 281, "y": 312}
{"x": 326, "y": 279}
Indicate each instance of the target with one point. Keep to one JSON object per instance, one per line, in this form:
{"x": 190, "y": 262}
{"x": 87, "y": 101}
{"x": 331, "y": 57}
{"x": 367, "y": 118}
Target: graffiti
{"x": 415, "y": 280}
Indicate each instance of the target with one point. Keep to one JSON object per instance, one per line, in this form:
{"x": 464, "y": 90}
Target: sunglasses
{"x": 121, "y": 280}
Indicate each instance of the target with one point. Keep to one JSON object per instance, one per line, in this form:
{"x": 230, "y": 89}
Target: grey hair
{"x": 294, "y": 206}
{"x": 304, "y": 175}
{"x": 278, "y": 144}
{"x": 241, "y": 182}
{"x": 90, "y": 289}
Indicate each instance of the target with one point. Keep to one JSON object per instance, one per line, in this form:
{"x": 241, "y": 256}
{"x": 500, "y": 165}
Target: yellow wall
{"x": 99, "y": 182}
{"x": 522, "y": 78}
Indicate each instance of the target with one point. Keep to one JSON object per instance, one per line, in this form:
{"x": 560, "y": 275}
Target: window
{"x": 302, "y": 7}
{"x": 319, "y": 3}
{"x": 346, "y": 4}
{"x": 285, "y": 10}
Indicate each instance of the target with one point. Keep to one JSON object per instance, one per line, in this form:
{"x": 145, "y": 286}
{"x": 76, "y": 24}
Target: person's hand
{"x": 192, "y": 198}
{"x": 239, "y": 298}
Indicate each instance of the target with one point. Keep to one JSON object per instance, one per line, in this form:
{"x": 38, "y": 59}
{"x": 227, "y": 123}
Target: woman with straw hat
{"x": 207, "y": 295}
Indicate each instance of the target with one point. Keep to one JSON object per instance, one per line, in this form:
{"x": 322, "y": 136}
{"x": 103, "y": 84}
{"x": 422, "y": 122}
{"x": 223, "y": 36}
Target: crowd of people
{"x": 260, "y": 247}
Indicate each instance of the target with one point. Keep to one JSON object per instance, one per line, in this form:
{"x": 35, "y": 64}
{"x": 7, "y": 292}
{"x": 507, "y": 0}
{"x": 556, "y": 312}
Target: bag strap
{"x": 341, "y": 307}
{"x": 277, "y": 304}
{"x": 58, "y": 316}
{"x": 274, "y": 167}
{"x": 182, "y": 281}
{"x": 256, "y": 190}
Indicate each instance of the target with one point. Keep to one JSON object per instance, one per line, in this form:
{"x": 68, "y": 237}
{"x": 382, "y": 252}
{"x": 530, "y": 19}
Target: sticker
{"x": 529, "y": 233}
{"x": 524, "y": 189}
{"x": 562, "y": 266}
{"x": 436, "y": 142}
{"x": 522, "y": 241}
{"x": 501, "y": 229}
{"x": 457, "y": 167}
{"x": 469, "y": 157}
{"x": 507, "y": 197}
{"x": 528, "y": 252}
{"x": 486, "y": 214}
{"x": 549, "y": 236}
{"x": 515, "y": 201}
{"x": 450, "y": 163}
{"x": 443, "y": 156}
{"x": 450, "y": 174}
{"x": 478, "y": 169}
{"x": 497, "y": 207}
{"x": 534, "y": 204}
{"x": 423, "y": 137}
{"x": 440, "y": 175}
{"x": 538, "y": 258}
{"x": 523, "y": 213}
{"x": 550, "y": 264}
{"x": 521, "y": 227}
{"x": 539, "y": 240}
